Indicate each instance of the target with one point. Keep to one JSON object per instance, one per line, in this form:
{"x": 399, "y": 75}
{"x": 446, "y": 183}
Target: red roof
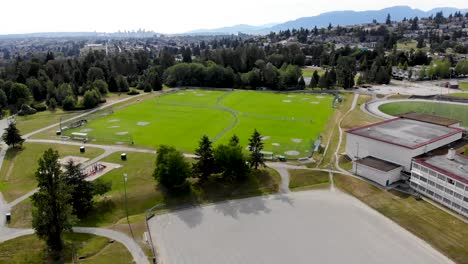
{"x": 449, "y": 174}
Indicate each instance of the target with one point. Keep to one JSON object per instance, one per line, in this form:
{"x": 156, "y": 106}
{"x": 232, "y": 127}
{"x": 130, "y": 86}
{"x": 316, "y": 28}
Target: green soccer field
{"x": 454, "y": 111}
{"x": 288, "y": 122}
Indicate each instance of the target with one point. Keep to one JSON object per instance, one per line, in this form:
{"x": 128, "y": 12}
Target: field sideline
{"x": 288, "y": 122}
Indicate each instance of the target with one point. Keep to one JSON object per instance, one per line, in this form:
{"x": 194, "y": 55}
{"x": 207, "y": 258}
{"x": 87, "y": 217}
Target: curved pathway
{"x": 337, "y": 160}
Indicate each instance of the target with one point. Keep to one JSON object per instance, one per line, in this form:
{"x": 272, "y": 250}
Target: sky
{"x": 175, "y": 16}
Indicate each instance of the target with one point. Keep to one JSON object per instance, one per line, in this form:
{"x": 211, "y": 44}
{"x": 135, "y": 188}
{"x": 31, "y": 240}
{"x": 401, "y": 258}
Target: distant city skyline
{"x": 27, "y": 16}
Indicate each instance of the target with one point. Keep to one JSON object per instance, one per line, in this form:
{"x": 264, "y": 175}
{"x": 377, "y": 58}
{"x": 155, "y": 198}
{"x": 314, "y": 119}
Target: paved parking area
{"x": 305, "y": 227}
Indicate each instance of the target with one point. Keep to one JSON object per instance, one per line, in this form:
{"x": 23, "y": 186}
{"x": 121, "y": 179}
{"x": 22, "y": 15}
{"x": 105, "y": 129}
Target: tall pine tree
{"x": 256, "y": 147}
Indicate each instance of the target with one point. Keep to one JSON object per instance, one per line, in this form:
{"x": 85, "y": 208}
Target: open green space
{"x": 306, "y": 179}
{"x": 308, "y": 72}
{"x": 459, "y": 95}
{"x": 79, "y": 248}
{"x": 289, "y": 122}
{"x": 39, "y": 120}
{"x": 143, "y": 192}
{"x": 454, "y": 111}
{"x": 463, "y": 86}
{"x": 443, "y": 231}
{"x": 17, "y": 172}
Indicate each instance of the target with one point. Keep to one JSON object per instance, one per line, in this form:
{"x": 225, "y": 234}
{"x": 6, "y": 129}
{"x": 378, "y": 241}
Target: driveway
{"x": 305, "y": 227}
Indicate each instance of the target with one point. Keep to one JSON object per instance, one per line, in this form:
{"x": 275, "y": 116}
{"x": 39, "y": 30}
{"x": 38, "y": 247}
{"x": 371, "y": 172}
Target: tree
{"x": 81, "y": 190}
{"x": 345, "y": 71}
{"x": 101, "y": 86}
{"x": 154, "y": 80}
{"x": 12, "y": 136}
{"x": 52, "y": 104}
{"x": 20, "y": 95}
{"x": 3, "y": 99}
{"x": 256, "y": 147}
{"x": 234, "y": 141}
{"x": 313, "y": 83}
{"x": 69, "y": 103}
{"x": 171, "y": 169}
{"x": 388, "y": 21}
{"x": 301, "y": 83}
{"x": 95, "y": 73}
{"x": 462, "y": 67}
{"x": 91, "y": 98}
{"x": 205, "y": 165}
{"x": 230, "y": 161}
{"x": 323, "y": 82}
{"x": 122, "y": 85}
{"x": 52, "y": 211}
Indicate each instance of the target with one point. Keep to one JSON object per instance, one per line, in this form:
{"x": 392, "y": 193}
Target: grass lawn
{"x": 80, "y": 248}
{"x": 306, "y": 179}
{"x": 459, "y": 95}
{"x": 463, "y": 86}
{"x": 309, "y": 72}
{"x": 30, "y": 123}
{"x": 459, "y": 112}
{"x": 444, "y": 232}
{"x": 17, "y": 172}
{"x": 143, "y": 192}
{"x": 289, "y": 121}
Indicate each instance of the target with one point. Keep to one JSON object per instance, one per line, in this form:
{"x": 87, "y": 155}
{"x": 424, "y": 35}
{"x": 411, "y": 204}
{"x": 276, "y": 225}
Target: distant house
{"x": 452, "y": 84}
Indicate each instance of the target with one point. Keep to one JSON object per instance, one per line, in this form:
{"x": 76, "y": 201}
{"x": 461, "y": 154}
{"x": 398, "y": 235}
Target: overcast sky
{"x": 175, "y": 16}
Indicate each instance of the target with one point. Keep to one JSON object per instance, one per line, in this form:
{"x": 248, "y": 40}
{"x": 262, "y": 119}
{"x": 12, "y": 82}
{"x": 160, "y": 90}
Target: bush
{"x": 172, "y": 170}
{"x": 26, "y": 110}
{"x": 69, "y": 103}
{"x": 40, "y": 107}
{"x": 91, "y": 98}
{"x": 52, "y": 104}
{"x": 133, "y": 91}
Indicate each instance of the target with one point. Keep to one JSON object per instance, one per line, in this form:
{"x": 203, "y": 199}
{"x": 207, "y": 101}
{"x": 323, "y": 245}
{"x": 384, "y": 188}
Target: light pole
{"x": 125, "y": 178}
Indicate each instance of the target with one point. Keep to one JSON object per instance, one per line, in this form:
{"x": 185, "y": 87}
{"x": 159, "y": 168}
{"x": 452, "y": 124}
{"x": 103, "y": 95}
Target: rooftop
{"x": 378, "y": 164}
{"x": 456, "y": 168}
{"x": 406, "y": 133}
{"x": 438, "y": 120}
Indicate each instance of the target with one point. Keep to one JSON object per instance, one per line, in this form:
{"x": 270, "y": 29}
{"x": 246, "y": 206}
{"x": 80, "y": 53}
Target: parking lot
{"x": 305, "y": 227}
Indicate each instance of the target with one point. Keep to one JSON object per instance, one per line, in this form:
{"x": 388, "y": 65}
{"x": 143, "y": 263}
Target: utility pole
{"x": 125, "y": 178}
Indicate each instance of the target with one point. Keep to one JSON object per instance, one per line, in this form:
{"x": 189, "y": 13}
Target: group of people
{"x": 95, "y": 168}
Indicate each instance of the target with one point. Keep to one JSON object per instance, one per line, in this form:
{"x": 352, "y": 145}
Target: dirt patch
{"x": 265, "y": 137}
{"x": 113, "y": 127}
{"x": 122, "y": 133}
{"x": 296, "y": 140}
{"x": 142, "y": 123}
{"x": 86, "y": 130}
{"x": 320, "y": 97}
{"x": 314, "y": 102}
{"x": 276, "y": 144}
{"x": 75, "y": 159}
{"x": 292, "y": 153}
{"x": 287, "y": 101}
{"x": 113, "y": 120}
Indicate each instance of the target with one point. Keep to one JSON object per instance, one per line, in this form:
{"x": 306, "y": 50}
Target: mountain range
{"x": 342, "y": 18}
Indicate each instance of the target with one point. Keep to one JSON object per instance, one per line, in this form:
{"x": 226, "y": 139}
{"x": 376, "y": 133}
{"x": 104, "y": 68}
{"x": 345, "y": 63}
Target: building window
{"x": 464, "y": 210}
{"x": 465, "y": 199}
{"x": 424, "y": 169}
{"x": 422, "y": 188}
{"x": 457, "y": 195}
{"x": 433, "y": 173}
{"x": 456, "y": 206}
{"x": 431, "y": 183}
{"x": 438, "y": 197}
{"x": 451, "y": 181}
{"x": 459, "y": 185}
{"x": 447, "y": 201}
{"x": 414, "y": 185}
{"x": 448, "y": 191}
{"x": 440, "y": 187}
{"x": 441, "y": 177}
{"x": 416, "y": 166}
{"x": 423, "y": 179}
{"x": 431, "y": 193}
{"x": 414, "y": 175}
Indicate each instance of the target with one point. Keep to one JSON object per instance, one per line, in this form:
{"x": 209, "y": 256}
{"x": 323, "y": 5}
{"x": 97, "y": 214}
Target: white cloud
{"x": 22, "y": 16}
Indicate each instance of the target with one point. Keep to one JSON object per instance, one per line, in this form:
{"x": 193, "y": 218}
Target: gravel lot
{"x": 305, "y": 227}
{"x": 413, "y": 88}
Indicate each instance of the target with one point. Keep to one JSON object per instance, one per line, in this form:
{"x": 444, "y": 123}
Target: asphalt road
{"x": 319, "y": 226}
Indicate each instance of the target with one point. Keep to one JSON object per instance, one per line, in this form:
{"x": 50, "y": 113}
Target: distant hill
{"x": 232, "y": 29}
{"x": 342, "y": 18}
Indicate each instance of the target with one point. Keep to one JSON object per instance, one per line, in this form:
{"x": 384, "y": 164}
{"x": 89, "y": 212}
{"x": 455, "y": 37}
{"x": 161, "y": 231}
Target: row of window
{"x": 440, "y": 176}
{"x": 440, "y": 198}
{"x": 440, "y": 187}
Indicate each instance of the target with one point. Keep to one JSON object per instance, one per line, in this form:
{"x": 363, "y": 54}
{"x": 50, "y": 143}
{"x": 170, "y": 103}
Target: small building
{"x": 451, "y": 84}
{"x": 399, "y": 140}
{"x": 377, "y": 170}
{"x": 432, "y": 119}
{"x": 443, "y": 179}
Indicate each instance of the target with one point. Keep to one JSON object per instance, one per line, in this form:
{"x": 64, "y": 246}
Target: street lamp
{"x": 125, "y": 178}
